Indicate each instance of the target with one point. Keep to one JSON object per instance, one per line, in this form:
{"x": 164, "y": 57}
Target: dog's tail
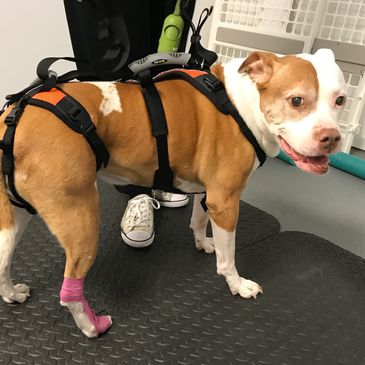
{"x": 6, "y": 210}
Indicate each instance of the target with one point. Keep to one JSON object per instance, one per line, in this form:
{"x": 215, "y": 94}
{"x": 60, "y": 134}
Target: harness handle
{"x": 47, "y": 78}
{"x": 203, "y": 57}
{"x": 160, "y": 59}
{"x": 43, "y": 71}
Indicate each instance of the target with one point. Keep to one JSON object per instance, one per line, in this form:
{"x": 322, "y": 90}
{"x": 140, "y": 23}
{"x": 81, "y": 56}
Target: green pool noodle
{"x": 352, "y": 164}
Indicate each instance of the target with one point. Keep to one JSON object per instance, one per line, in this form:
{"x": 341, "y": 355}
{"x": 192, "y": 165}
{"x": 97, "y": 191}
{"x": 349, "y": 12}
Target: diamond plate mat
{"x": 170, "y": 307}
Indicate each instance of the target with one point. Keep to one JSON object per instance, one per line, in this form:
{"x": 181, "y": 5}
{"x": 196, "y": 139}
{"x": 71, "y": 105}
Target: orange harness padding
{"x": 53, "y": 96}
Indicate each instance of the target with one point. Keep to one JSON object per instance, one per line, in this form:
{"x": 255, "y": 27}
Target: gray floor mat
{"x": 170, "y": 307}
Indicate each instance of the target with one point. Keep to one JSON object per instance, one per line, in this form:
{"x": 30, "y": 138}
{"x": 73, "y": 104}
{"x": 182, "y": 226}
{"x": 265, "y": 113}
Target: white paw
{"x": 248, "y": 289}
{"x": 20, "y": 294}
{"x": 90, "y": 324}
{"x": 206, "y": 244}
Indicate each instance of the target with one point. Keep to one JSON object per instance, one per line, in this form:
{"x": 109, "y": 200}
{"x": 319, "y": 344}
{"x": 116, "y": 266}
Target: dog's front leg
{"x": 223, "y": 212}
{"x": 198, "y": 223}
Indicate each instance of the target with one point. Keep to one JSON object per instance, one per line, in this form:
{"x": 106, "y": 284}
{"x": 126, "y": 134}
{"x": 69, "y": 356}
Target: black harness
{"x": 207, "y": 84}
{"x": 67, "y": 109}
{"x": 49, "y": 96}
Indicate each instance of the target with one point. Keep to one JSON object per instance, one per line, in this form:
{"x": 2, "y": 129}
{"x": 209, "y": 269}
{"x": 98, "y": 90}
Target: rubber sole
{"x": 138, "y": 244}
{"x": 174, "y": 204}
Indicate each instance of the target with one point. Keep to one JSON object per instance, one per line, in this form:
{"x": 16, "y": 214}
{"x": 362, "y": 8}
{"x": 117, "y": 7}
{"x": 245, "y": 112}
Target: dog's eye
{"x": 340, "y": 100}
{"x": 297, "y": 101}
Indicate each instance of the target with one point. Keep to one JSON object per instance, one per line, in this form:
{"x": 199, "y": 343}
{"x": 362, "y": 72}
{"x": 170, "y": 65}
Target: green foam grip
{"x": 352, "y": 164}
{"x": 285, "y": 158}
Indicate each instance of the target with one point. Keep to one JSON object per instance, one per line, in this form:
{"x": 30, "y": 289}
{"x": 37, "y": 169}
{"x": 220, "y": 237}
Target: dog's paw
{"x": 206, "y": 244}
{"x": 90, "y": 324}
{"x": 20, "y": 294}
{"x": 247, "y": 289}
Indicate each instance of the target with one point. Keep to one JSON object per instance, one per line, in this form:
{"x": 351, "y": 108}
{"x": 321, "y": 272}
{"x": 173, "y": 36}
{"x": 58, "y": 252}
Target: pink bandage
{"x": 73, "y": 291}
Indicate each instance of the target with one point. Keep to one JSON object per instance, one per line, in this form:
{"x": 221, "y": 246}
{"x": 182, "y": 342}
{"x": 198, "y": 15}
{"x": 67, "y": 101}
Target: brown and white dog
{"x": 291, "y": 101}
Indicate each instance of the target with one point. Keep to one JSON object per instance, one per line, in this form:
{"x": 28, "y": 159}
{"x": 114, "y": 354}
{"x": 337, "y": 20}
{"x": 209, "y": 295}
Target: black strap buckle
{"x": 74, "y": 111}
{"x": 13, "y": 116}
{"x": 212, "y": 82}
{"x": 83, "y": 124}
{"x": 80, "y": 120}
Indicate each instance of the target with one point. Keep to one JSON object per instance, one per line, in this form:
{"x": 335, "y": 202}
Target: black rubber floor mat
{"x": 170, "y": 307}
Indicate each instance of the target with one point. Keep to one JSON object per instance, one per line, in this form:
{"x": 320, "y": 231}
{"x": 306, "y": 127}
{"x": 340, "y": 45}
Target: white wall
{"x": 29, "y": 31}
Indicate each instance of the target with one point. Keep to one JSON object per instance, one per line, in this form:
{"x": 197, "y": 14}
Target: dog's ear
{"x": 259, "y": 66}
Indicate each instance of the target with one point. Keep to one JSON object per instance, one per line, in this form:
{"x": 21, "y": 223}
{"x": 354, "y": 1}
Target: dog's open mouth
{"x": 311, "y": 164}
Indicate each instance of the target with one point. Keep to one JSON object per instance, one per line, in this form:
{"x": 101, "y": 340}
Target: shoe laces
{"x": 140, "y": 210}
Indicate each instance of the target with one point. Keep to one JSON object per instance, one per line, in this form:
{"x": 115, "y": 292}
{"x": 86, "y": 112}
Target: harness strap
{"x": 7, "y": 146}
{"x": 214, "y": 90}
{"x": 219, "y": 97}
{"x": 261, "y": 155}
{"x": 44, "y": 65}
{"x": 203, "y": 57}
{"x": 164, "y": 176}
{"x": 74, "y": 115}
{"x": 68, "y": 110}
{"x": 46, "y": 79}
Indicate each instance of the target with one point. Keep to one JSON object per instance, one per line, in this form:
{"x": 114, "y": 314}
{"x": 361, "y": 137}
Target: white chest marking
{"x": 111, "y": 101}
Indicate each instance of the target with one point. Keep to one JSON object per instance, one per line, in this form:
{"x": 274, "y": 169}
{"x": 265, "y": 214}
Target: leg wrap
{"x": 72, "y": 296}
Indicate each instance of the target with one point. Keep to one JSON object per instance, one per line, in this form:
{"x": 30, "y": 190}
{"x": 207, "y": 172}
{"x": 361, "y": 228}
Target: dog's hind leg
{"x": 9, "y": 237}
{"x": 76, "y": 226}
{"x": 198, "y": 223}
{"x": 223, "y": 212}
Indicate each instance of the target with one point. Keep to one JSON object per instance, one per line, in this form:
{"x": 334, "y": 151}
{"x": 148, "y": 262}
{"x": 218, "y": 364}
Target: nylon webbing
{"x": 74, "y": 115}
{"x": 164, "y": 176}
{"x": 11, "y": 121}
{"x": 66, "y": 108}
{"x": 215, "y": 91}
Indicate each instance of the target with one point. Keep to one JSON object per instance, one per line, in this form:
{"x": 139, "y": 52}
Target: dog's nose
{"x": 328, "y": 139}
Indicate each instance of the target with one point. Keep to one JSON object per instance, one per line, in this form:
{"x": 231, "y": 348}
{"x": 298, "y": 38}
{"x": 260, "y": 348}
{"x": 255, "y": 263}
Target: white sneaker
{"x": 170, "y": 200}
{"x": 137, "y": 222}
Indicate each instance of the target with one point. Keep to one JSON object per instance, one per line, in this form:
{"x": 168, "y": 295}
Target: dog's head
{"x": 301, "y": 98}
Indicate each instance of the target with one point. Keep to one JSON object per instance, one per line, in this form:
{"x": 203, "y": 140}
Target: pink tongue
{"x": 314, "y": 165}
